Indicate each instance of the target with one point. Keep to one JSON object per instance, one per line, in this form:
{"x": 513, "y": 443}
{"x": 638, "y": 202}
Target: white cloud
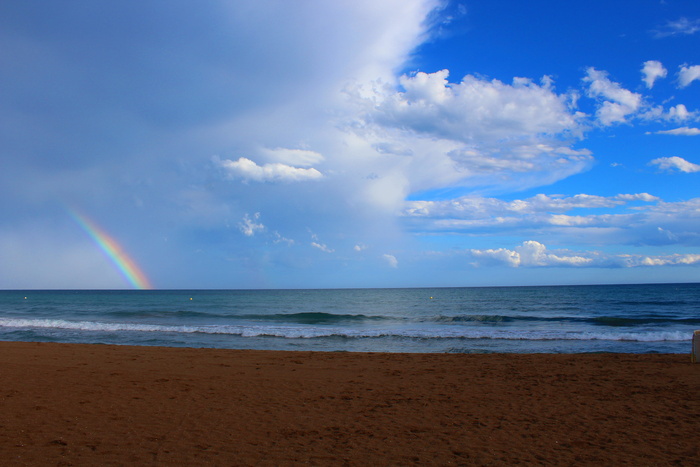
{"x": 391, "y": 260}
{"x": 275, "y": 172}
{"x": 470, "y": 133}
{"x": 322, "y": 246}
{"x": 681, "y": 26}
{"x": 683, "y": 131}
{"x": 316, "y": 243}
{"x": 652, "y": 71}
{"x": 474, "y": 207}
{"x": 646, "y": 197}
{"x": 617, "y": 103}
{"x": 632, "y": 261}
{"x": 564, "y": 220}
{"x": 360, "y": 247}
{"x": 678, "y": 113}
{"x": 474, "y": 109}
{"x": 495, "y": 256}
{"x": 530, "y": 254}
{"x": 687, "y": 75}
{"x": 630, "y": 219}
{"x": 675, "y": 162}
{"x": 534, "y": 254}
{"x": 249, "y": 226}
{"x": 278, "y": 238}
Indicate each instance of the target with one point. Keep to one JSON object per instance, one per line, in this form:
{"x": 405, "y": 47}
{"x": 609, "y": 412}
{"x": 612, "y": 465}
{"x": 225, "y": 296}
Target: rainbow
{"x": 127, "y": 266}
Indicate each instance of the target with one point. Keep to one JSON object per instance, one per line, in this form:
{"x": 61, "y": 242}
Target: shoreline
{"x": 116, "y": 404}
{"x": 475, "y": 352}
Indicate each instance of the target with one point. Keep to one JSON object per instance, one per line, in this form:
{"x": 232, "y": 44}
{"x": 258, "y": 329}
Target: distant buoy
{"x": 431, "y": 298}
{"x": 190, "y": 298}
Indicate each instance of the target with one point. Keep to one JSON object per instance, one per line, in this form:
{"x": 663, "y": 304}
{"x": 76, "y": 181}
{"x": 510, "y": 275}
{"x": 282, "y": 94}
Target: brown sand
{"x": 109, "y": 405}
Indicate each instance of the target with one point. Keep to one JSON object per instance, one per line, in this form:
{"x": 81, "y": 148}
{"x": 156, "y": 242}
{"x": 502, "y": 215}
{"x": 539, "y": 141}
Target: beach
{"x": 77, "y": 404}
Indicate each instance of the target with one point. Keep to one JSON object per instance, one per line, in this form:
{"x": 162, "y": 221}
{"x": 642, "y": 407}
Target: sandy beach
{"x": 64, "y": 404}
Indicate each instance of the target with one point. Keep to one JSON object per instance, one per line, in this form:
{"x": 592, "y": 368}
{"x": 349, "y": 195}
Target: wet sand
{"x": 66, "y": 404}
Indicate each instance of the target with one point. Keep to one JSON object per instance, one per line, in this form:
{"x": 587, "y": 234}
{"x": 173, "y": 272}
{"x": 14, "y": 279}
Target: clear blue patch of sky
{"x": 501, "y": 39}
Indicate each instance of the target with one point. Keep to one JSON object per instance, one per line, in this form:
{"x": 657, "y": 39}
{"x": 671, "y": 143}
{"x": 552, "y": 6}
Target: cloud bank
{"x": 534, "y": 254}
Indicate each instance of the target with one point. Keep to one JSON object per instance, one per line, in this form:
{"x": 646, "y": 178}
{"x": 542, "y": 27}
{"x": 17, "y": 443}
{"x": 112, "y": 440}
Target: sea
{"x": 657, "y": 318}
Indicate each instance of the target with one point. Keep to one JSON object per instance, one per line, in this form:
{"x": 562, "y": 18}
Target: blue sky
{"x": 309, "y": 144}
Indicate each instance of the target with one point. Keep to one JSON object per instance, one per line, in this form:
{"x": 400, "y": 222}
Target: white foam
{"x": 308, "y": 332}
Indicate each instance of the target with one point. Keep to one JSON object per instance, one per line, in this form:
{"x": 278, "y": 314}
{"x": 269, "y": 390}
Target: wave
{"x": 615, "y": 321}
{"x": 301, "y": 317}
{"x": 299, "y": 332}
{"x": 619, "y": 321}
{"x": 323, "y": 318}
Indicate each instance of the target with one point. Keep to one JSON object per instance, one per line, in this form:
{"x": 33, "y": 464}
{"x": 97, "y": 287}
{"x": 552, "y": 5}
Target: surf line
{"x": 116, "y": 254}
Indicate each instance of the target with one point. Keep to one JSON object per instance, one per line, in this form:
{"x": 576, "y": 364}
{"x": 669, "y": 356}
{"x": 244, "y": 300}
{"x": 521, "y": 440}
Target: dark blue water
{"x": 612, "y": 318}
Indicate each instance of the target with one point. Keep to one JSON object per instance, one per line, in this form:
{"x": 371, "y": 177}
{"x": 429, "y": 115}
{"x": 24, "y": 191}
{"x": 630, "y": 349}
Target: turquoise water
{"x": 569, "y": 319}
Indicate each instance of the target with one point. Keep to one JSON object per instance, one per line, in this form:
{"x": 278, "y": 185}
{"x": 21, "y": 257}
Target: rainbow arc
{"x": 116, "y": 254}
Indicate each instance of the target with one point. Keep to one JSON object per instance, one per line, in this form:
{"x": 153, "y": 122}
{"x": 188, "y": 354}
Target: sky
{"x": 314, "y": 144}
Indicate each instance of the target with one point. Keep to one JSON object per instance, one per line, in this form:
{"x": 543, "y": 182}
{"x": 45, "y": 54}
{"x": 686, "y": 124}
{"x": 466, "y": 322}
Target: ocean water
{"x": 561, "y": 319}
